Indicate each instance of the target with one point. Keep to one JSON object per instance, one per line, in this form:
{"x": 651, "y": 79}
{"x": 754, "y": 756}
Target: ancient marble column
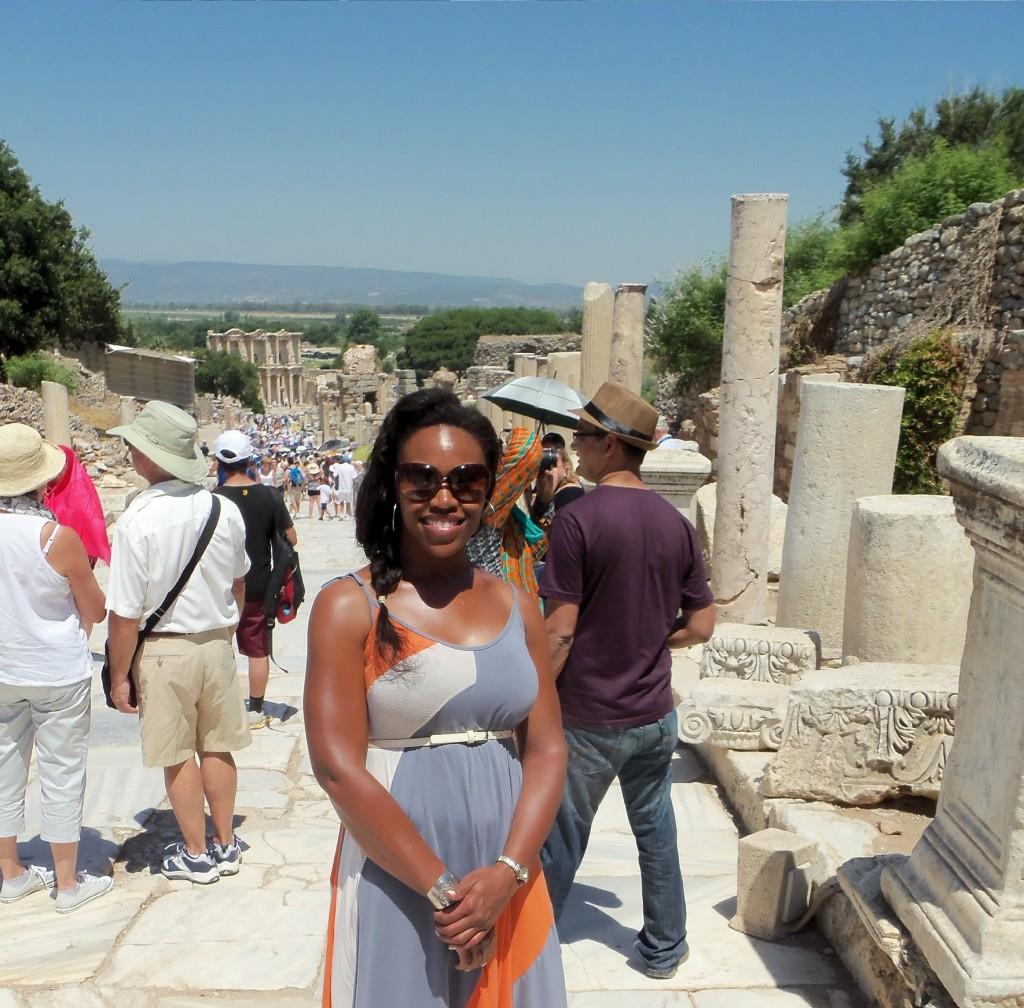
{"x": 229, "y": 418}
{"x": 565, "y": 366}
{"x": 845, "y": 449}
{"x": 961, "y": 892}
{"x": 908, "y": 581}
{"x": 626, "y": 355}
{"x": 598, "y": 308}
{"x": 127, "y": 409}
{"x": 56, "y": 419}
{"x": 747, "y": 415}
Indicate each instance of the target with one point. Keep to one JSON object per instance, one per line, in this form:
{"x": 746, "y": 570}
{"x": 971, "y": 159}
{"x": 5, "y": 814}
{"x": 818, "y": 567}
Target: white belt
{"x": 470, "y": 737}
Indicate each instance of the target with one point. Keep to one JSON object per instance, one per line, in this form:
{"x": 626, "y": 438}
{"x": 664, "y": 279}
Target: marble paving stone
{"x": 707, "y": 852}
{"x": 313, "y": 845}
{"x": 602, "y": 917}
{"x": 283, "y": 932}
{"x": 251, "y": 779}
{"x": 257, "y": 799}
{"x": 42, "y": 947}
{"x": 9, "y": 1000}
{"x": 282, "y": 999}
{"x": 630, "y": 999}
{"x": 81, "y": 996}
{"x": 808, "y": 998}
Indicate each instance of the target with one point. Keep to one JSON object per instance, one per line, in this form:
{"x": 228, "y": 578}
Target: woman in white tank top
{"x": 49, "y": 600}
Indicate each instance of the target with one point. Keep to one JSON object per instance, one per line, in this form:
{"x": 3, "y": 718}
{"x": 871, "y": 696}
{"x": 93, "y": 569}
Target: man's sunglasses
{"x": 420, "y": 482}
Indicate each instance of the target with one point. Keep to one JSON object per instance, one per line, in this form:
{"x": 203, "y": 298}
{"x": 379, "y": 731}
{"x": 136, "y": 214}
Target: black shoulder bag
{"x": 158, "y": 614}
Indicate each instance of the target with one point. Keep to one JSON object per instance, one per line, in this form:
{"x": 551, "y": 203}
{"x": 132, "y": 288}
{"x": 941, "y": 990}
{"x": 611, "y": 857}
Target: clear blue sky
{"x": 539, "y": 141}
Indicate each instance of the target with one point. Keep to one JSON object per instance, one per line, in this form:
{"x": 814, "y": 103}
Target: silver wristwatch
{"x": 438, "y": 892}
{"x": 522, "y": 872}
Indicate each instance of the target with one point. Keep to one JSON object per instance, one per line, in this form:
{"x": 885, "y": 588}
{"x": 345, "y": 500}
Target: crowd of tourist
{"x": 471, "y": 693}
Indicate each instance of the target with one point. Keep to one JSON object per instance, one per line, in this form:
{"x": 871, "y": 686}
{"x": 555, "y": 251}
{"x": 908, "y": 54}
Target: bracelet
{"x": 438, "y": 893}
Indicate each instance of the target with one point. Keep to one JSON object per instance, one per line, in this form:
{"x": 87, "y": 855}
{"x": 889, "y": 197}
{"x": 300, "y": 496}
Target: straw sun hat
{"x": 27, "y": 462}
{"x": 619, "y": 411}
{"x": 167, "y": 436}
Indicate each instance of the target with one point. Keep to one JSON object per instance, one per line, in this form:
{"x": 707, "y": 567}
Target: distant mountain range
{"x": 217, "y": 283}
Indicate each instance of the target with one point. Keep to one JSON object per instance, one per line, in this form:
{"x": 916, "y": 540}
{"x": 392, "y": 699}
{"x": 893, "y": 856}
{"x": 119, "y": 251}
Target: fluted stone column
{"x": 845, "y": 449}
{"x": 961, "y": 891}
{"x": 56, "y": 419}
{"x": 908, "y": 581}
{"x": 566, "y": 366}
{"x": 626, "y": 355}
{"x": 749, "y": 402}
{"x": 598, "y": 308}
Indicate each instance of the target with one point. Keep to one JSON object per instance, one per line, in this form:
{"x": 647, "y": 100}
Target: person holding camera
{"x": 556, "y": 484}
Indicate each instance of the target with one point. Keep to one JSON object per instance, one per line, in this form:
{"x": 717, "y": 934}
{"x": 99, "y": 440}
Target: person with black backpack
{"x": 266, "y": 517}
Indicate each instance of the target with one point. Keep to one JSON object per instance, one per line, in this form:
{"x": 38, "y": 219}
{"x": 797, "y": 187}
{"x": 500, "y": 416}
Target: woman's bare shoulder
{"x": 344, "y": 605}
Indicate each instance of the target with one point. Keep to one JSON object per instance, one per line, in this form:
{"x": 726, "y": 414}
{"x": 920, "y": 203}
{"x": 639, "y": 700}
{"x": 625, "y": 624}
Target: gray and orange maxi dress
{"x": 381, "y": 945}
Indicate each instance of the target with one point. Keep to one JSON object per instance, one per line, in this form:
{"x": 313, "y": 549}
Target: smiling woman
{"x": 433, "y": 726}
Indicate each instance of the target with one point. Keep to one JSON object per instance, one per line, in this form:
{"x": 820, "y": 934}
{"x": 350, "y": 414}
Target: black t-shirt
{"x": 567, "y": 495}
{"x": 263, "y": 511}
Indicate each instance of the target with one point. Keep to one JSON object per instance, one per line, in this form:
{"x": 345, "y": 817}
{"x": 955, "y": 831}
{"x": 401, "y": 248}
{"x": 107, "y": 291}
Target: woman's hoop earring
{"x": 394, "y": 518}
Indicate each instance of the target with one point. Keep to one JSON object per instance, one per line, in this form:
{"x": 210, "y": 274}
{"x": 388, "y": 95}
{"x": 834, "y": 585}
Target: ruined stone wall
{"x": 967, "y": 271}
{"x": 497, "y": 351}
{"x": 997, "y": 407}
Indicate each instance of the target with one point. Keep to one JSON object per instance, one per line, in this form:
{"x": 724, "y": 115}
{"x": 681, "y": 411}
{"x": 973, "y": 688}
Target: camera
{"x": 549, "y": 459}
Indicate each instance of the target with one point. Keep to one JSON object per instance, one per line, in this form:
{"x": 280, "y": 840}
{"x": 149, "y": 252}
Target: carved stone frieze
{"x": 759, "y": 654}
{"x": 734, "y": 714}
{"x": 864, "y": 733}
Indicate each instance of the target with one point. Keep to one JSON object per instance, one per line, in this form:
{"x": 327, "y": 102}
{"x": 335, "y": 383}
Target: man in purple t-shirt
{"x": 623, "y": 583}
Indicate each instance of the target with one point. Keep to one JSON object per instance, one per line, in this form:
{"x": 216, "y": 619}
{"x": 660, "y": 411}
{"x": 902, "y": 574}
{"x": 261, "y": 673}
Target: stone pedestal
{"x": 598, "y": 306}
{"x": 676, "y": 475}
{"x": 56, "y": 419}
{"x": 749, "y": 398}
{"x": 908, "y": 581}
{"x": 865, "y": 733}
{"x": 626, "y": 359}
{"x": 845, "y": 449}
{"x": 773, "y": 882}
{"x": 961, "y": 892}
{"x": 230, "y": 417}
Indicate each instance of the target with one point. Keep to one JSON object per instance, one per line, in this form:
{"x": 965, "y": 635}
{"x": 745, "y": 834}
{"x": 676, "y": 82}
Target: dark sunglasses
{"x": 593, "y": 433}
{"x": 420, "y": 482}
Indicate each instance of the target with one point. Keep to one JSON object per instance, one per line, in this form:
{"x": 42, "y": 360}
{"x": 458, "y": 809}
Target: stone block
{"x": 777, "y": 655}
{"x": 734, "y": 714}
{"x": 773, "y": 882}
{"x": 864, "y": 733}
{"x": 676, "y": 474}
{"x": 704, "y": 507}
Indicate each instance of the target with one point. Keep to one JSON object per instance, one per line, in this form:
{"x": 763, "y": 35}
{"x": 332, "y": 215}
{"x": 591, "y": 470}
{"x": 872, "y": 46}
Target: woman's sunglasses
{"x": 420, "y": 482}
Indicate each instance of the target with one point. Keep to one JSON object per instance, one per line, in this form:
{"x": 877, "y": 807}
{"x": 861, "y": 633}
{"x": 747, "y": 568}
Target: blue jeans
{"x": 641, "y": 759}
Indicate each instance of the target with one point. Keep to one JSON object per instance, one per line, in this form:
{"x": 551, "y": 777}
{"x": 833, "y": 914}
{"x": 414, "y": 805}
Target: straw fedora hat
{"x": 166, "y": 435}
{"x": 27, "y": 462}
{"x": 623, "y": 413}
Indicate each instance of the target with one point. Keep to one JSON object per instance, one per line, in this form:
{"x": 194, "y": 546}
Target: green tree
{"x": 974, "y": 119}
{"x": 51, "y": 289}
{"x": 364, "y": 326}
{"x": 448, "y": 338}
{"x": 921, "y": 192}
{"x": 222, "y": 373}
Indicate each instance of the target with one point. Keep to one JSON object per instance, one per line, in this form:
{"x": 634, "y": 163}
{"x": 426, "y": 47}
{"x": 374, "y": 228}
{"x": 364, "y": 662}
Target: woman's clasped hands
{"x": 467, "y": 926}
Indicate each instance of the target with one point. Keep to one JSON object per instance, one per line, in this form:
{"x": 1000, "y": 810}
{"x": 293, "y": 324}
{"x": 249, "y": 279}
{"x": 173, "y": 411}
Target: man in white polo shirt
{"x": 189, "y": 700}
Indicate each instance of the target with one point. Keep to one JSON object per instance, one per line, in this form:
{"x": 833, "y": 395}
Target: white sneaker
{"x": 33, "y": 879}
{"x": 89, "y": 887}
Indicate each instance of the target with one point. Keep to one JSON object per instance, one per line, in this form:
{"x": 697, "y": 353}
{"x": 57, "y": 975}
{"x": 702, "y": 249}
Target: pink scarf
{"x": 75, "y": 503}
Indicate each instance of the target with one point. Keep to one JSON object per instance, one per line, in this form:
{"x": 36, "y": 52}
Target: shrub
{"x": 922, "y": 192}
{"x": 31, "y": 370}
{"x": 932, "y": 370}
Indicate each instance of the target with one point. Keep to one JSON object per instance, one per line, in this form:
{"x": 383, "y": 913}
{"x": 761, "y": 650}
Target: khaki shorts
{"x": 189, "y": 700}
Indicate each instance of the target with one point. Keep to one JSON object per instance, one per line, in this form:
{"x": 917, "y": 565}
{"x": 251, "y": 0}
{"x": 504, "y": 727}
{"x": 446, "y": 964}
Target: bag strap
{"x": 204, "y": 541}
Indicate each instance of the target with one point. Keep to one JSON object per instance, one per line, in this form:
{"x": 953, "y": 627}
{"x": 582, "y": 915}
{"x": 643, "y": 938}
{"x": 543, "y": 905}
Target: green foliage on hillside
{"x": 51, "y": 289}
{"x": 448, "y": 339}
{"x": 223, "y": 373}
{"x": 932, "y": 370}
{"x": 975, "y": 119}
{"x": 685, "y": 327}
{"x": 920, "y": 193}
{"x": 184, "y": 336}
{"x": 31, "y": 370}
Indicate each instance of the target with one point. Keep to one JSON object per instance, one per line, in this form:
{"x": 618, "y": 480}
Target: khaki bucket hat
{"x": 619, "y": 411}
{"x": 27, "y": 462}
{"x": 166, "y": 435}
